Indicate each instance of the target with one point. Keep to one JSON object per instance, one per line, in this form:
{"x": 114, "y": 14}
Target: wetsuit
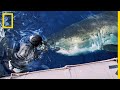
{"x": 23, "y": 53}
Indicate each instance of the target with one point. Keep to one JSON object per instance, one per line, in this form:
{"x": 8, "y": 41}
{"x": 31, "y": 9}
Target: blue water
{"x": 46, "y": 23}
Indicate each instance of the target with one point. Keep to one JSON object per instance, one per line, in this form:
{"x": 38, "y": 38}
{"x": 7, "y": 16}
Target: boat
{"x": 105, "y": 69}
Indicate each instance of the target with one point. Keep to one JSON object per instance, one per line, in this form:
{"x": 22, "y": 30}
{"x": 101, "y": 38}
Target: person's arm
{"x": 38, "y": 54}
{"x": 44, "y": 46}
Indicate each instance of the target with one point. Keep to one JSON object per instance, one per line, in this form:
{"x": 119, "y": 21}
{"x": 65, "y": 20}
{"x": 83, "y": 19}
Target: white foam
{"x": 2, "y": 33}
{"x": 74, "y": 45}
{"x": 76, "y": 50}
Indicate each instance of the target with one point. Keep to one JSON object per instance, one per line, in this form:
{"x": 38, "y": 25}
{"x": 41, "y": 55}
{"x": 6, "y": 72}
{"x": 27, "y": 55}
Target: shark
{"x": 96, "y": 32}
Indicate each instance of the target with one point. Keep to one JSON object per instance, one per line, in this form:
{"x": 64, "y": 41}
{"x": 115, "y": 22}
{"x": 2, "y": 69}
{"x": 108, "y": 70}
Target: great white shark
{"x": 97, "y": 32}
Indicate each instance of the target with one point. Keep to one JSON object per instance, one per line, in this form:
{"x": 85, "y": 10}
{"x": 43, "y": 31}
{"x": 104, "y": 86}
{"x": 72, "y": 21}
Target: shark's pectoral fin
{"x": 110, "y": 47}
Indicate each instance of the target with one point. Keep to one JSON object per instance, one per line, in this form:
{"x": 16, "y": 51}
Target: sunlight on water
{"x": 2, "y": 33}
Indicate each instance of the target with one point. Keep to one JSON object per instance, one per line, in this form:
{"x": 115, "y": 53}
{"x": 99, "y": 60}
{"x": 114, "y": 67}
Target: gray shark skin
{"x": 97, "y": 32}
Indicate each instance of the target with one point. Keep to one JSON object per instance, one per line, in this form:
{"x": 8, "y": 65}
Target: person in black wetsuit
{"x": 24, "y": 53}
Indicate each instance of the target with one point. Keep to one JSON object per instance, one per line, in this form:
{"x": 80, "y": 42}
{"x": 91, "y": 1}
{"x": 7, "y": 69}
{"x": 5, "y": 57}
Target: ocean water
{"x": 46, "y": 23}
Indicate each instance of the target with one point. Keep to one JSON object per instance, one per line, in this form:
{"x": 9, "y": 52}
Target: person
{"x": 24, "y": 53}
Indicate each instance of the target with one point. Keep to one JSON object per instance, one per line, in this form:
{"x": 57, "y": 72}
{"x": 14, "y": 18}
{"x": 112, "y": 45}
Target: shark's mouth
{"x": 74, "y": 46}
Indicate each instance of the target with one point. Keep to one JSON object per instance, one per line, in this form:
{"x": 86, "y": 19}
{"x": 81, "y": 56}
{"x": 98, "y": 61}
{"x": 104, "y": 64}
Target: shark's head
{"x": 94, "y": 33}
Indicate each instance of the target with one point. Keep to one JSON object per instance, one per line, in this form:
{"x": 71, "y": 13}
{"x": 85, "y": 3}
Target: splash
{"x": 75, "y": 45}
